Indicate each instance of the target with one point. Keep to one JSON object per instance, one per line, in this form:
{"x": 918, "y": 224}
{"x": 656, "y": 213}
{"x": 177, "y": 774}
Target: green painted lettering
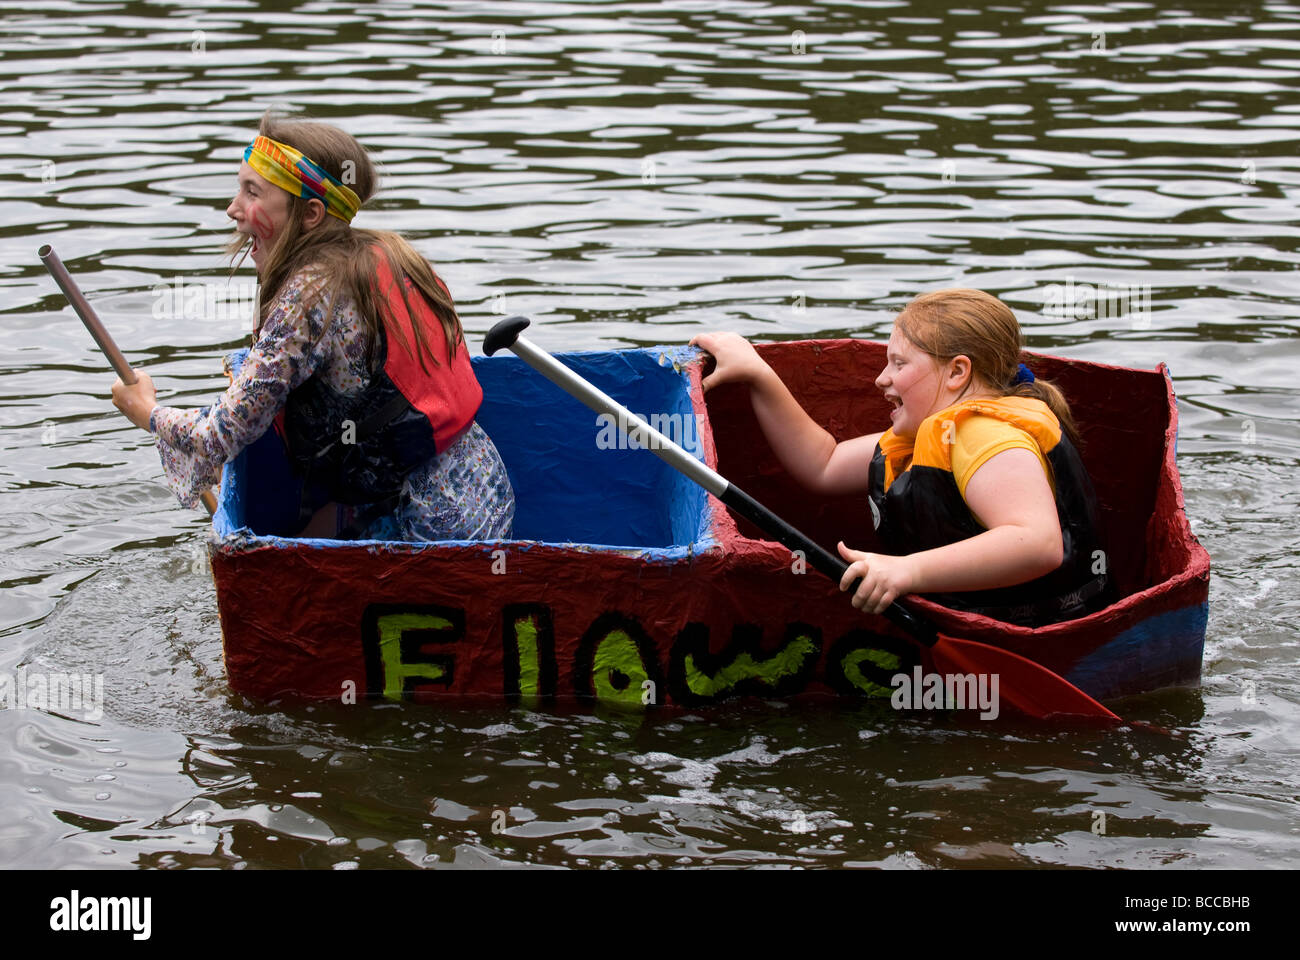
{"x": 853, "y": 669}
{"x": 400, "y": 636}
{"x": 528, "y": 652}
{"x": 617, "y": 670}
{"x": 526, "y": 645}
{"x": 788, "y": 661}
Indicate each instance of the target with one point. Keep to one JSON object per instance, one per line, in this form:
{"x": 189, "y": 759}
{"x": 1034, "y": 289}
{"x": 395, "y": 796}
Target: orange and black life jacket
{"x": 920, "y": 506}
{"x": 400, "y": 420}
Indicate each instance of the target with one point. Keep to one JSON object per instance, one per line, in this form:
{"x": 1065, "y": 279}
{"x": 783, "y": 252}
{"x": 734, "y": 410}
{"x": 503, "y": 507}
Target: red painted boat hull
{"x": 716, "y": 611}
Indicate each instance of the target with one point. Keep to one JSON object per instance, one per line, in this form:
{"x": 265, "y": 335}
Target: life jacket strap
{"x": 1070, "y": 606}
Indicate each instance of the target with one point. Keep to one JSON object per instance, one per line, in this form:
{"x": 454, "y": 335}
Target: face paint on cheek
{"x": 261, "y": 224}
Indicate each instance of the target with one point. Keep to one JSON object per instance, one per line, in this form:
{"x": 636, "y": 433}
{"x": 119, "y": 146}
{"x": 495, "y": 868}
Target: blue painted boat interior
{"x": 567, "y": 489}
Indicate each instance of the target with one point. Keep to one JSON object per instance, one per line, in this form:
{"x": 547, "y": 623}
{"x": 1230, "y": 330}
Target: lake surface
{"x": 633, "y": 174}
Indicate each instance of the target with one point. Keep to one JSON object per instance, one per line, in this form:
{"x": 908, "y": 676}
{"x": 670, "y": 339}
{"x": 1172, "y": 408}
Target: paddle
{"x": 97, "y": 330}
{"x": 1023, "y": 685}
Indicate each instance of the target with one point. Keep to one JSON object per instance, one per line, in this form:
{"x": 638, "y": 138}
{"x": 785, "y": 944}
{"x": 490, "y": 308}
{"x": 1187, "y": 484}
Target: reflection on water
{"x": 634, "y": 174}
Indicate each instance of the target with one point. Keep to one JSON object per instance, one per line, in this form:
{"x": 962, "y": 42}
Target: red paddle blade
{"x": 1022, "y": 685}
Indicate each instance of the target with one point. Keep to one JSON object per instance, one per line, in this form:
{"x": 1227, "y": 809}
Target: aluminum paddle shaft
{"x": 506, "y": 334}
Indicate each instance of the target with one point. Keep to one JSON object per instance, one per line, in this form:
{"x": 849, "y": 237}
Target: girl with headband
{"x": 976, "y": 490}
{"x": 358, "y": 362}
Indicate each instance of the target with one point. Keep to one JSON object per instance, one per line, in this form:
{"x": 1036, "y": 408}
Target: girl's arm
{"x": 806, "y": 450}
{"x": 1009, "y": 495}
{"x": 194, "y": 444}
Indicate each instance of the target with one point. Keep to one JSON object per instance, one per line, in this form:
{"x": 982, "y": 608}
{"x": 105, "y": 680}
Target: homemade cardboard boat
{"x": 627, "y": 583}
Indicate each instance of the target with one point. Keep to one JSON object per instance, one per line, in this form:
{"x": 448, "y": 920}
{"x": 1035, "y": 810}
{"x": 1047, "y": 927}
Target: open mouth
{"x": 897, "y": 405}
{"x": 256, "y": 246}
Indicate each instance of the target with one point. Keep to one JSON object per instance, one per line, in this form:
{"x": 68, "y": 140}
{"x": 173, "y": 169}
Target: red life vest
{"x": 448, "y": 395}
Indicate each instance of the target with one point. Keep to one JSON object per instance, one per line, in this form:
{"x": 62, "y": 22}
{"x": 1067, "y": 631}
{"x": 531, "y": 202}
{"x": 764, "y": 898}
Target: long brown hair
{"x": 961, "y": 321}
{"x": 344, "y": 258}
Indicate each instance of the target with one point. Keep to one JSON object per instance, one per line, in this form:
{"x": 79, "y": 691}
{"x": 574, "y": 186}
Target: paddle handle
{"x": 507, "y": 333}
{"x": 86, "y": 312}
{"x": 81, "y": 306}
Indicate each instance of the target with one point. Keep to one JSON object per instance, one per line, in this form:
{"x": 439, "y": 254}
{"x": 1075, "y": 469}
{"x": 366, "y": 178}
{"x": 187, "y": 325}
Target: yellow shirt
{"x": 978, "y": 438}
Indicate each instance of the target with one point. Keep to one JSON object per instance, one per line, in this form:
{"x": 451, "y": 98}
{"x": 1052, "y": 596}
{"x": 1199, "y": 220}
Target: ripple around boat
{"x": 628, "y": 583}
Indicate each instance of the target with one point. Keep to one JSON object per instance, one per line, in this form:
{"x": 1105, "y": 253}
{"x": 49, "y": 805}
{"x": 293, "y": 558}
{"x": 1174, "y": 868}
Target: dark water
{"x": 634, "y": 173}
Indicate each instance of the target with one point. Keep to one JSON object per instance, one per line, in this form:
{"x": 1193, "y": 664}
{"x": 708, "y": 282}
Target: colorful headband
{"x": 290, "y": 170}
